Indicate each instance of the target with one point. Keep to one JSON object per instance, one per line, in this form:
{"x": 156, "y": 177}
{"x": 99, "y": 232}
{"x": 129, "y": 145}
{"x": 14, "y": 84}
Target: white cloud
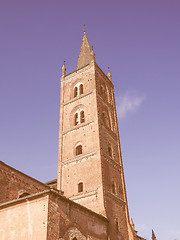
{"x": 129, "y": 102}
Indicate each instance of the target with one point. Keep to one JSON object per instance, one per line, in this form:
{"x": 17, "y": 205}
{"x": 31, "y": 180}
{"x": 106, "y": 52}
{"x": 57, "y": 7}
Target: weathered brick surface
{"x": 97, "y": 167}
{"x": 67, "y": 220}
{"x": 13, "y": 183}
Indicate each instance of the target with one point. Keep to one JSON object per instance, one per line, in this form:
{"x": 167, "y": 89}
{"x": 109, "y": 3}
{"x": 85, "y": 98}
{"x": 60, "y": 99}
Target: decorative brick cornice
{"x": 83, "y": 195}
{"x": 78, "y": 158}
{"x": 113, "y": 163}
{"x": 116, "y": 198}
{"x": 78, "y": 126}
{"x": 76, "y": 72}
{"x": 78, "y": 97}
{"x": 110, "y": 132}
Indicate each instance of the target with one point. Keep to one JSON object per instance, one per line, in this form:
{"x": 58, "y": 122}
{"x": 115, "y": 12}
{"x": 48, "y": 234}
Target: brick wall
{"x": 13, "y": 183}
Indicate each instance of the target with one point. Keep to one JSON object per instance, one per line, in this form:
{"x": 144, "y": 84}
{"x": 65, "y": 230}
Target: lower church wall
{"x": 50, "y": 216}
{"x": 68, "y": 220}
{"x": 24, "y": 219}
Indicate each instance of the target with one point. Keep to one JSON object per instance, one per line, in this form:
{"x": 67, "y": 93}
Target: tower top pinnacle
{"x": 84, "y": 27}
{"x": 86, "y": 52}
{"x": 64, "y": 69}
{"x": 153, "y": 235}
{"x": 109, "y": 74}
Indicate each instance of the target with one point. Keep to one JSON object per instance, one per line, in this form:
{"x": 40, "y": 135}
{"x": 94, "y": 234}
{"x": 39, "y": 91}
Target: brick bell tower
{"x": 90, "y": 169}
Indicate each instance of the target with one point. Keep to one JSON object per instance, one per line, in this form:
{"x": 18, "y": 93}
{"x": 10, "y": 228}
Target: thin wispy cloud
{"x": 128, "y": 103}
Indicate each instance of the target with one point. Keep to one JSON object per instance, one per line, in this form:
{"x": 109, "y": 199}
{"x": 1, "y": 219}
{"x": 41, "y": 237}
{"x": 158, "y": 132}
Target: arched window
{"x": 113, "y": 188}
{"x": 79, "y": 117}
{"x": 102, "y": 90}
{"x": 78, "y": 150}
{"x": 82, "y": 119}
{"x": 25, "y": 194}
{"x": 81, "y": 89}
{"x": 105, "y": 119}
{"x": 75, "y": 92}
{"x": 78, "y": 89}
{"x": 117, "y": 225}
{"x": 109, "y": 151}
{"x": 75, "y": 238}
{"x": 119, "y": 188}
{"x": 80, "y": 187}
{"x": 76, "y": 119}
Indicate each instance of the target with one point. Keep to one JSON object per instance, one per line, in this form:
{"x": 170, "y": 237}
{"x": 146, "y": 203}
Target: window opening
{"x": 76, "y": 119}
{"x": 81, "y": 89}
{"x": 80, "y": 187}
{"x": 102, "y": 89}
{"x": 110, "y": 151}
{"x": 113, "y": 188}
{"x": 23, "y": 195}
{"x": 82, "y": 119}
{"x": 105, "y": 119}
{"x": 119, "y": 188}
{"x": 75, "y": 92}
{"x": 79, "y": 150}
{"x": 117, "y": 225}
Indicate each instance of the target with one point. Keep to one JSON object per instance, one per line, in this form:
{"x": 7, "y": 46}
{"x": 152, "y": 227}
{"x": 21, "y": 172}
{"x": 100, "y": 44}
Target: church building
{"x": 88, "y": 199}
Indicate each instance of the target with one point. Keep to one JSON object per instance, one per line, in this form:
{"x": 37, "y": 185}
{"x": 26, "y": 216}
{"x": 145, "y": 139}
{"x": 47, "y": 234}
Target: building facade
{"x": 88, "y": 200}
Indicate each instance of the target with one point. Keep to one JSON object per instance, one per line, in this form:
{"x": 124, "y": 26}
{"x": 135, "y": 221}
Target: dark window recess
{"x": 75, "y": 92}
{"x": 113, "y": 188}
{"x": 105, "y": 119}
{"x": 82, "y": 119}
{"x": 75, "y": 238}
{"x": 76, "y": 119}
{"x": 79, "y": 150}
{"x": 80, "y": 187}
{"x": 110, "y": 151}
{"x": 24, "y": 195}
{"x": 117, "y": 225}
{"x": 120, "y": 189}
{"x": 81, "y": 89}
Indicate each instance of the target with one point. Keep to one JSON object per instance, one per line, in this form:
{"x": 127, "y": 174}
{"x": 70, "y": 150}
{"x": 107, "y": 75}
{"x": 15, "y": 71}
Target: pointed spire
{"x": 109, "y": 74}
{"x": 63, "y": 69}
{"x": 153, "y": 235}
{"x": 86, "y": 54}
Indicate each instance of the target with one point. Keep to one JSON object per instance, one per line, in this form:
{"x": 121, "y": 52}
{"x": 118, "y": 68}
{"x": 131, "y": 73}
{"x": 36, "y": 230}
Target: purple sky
{"x": 140, "y": 41}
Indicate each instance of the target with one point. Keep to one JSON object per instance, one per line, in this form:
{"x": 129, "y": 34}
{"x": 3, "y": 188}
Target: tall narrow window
{"x": 82, "y": 119}
{"x": 105, "y": 119}
{"x": 102, "y": 90}
{"x": 75, "y": 92}
{"x": 79, "y": 150}
{"x": 119, "y": 188}
{"x": 109, "y": 151}
{"x": 81, "y": 89}
{"x": 113, "y": 188}
{"x": 76, "y": 119}
{"x": 80, "y": 187}
{"x": 117, "y": 225}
